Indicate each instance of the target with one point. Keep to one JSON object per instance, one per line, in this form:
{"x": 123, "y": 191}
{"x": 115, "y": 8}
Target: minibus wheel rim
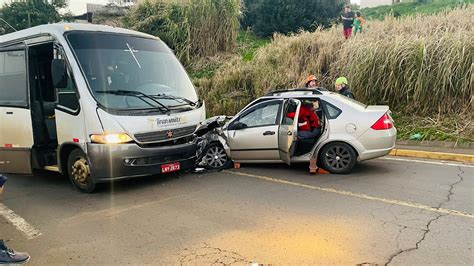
{"x": 81, "y": 171}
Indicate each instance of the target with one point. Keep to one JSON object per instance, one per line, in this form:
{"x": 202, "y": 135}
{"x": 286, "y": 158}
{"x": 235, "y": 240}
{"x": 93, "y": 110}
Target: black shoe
{"x": 9, "y": 256}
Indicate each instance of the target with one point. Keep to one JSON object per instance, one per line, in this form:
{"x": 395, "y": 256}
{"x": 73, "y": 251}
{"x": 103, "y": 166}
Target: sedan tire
{"x": 338, "y": 158}
{"x": 215, "y": 157}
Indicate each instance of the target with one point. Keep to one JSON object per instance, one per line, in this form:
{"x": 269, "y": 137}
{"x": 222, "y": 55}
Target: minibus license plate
{"x": 172, "y": 167}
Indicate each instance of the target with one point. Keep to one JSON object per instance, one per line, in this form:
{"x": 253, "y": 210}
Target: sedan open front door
{"x": 253, "y": 134}
{"x": 288, "y": 131}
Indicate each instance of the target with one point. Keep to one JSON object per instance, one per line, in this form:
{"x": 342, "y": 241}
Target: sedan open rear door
{"x": 288, "y": 131}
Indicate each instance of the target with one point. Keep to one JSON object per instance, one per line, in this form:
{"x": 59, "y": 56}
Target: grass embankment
{"x": 420, "y": 66}
{"x": 192, "y": 28}
{"x": 412, "y": 8}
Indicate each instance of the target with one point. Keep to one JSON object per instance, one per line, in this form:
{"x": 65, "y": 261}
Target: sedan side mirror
{"x": 237, "y": 125}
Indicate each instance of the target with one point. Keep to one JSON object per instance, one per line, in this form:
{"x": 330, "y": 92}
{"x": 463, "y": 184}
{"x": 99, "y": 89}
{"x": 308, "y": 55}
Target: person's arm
{"x": 303, "y": 123}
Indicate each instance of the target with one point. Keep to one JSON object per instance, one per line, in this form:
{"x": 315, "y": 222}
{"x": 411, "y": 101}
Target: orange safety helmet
{"x": 310, "y": 78}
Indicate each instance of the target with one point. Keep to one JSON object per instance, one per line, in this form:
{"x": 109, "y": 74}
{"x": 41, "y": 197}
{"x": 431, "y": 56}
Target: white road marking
{"x": 358, "y": 195}
{"x": 20, "y": 223}
{"x": 429, "y": 162}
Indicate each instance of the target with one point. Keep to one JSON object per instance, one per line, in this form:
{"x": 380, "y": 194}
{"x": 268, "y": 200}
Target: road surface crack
{"x": 417, "y": 244}
{"x": 451, "y": 188}
{"x": 427, "y": 230}
{"x": 212, "y": 255}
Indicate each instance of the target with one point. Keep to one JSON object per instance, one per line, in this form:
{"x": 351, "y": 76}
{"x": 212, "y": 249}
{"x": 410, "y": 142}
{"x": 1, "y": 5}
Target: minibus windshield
{"x": 130, "y": 72}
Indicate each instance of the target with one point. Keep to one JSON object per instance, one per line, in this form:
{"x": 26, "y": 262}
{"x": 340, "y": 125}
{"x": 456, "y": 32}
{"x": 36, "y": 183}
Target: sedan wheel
{"x": 215, "y": 157}
{"x": 338, "y": 158}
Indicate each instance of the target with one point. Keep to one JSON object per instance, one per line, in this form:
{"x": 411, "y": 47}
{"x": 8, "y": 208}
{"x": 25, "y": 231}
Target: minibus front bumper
{"x": 120, "y": 161}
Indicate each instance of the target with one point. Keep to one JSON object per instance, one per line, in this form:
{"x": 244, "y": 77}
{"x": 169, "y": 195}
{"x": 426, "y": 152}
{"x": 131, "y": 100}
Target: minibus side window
{"x": 67, "y": 97}
{"x": 13, "y": 90}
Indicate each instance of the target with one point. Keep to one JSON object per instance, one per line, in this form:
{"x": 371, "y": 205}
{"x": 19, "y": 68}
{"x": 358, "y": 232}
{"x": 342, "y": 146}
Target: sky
{"x": 78, "y": 7}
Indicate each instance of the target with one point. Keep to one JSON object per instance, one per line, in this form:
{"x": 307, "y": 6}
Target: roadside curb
{"x": 465, "y": 158}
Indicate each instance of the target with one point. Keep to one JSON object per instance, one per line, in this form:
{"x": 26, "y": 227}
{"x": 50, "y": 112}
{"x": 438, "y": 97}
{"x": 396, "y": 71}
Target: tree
{"x": 29, "y": 13}
{"x": 285, "y": 16}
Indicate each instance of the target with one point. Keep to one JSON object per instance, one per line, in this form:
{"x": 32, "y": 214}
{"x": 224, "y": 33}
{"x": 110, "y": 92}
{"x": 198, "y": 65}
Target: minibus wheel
{"x": 79, "y": 171}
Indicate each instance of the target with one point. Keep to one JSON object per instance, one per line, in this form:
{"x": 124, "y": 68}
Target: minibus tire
{"x": 79, "y": 171}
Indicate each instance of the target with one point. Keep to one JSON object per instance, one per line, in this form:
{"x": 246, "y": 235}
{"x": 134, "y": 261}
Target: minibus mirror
{"x": 59, "y": 73}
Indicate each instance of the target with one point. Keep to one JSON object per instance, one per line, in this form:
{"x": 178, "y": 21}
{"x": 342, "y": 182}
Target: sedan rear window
{"x": 332, "y": 112}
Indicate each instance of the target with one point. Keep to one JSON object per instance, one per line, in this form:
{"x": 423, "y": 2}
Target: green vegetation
{"x": 414, "y": 7}
{"x": 416, "y": 70}
{"x": 248, "y": 43}
{"x": 266, "y": 17}
{"x": 193, "y": 28}
{"x": 452, "y": 128}
{"x": 24, "y": 14}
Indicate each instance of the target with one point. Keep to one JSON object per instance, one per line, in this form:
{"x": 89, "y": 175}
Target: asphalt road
{"x": 386, "y": 211}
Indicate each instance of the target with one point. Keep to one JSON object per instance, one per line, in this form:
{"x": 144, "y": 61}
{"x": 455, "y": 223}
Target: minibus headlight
{"x": 111, "y": 138}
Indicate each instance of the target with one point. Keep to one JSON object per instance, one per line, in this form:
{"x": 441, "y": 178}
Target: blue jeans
{"x": 309, "y": 134}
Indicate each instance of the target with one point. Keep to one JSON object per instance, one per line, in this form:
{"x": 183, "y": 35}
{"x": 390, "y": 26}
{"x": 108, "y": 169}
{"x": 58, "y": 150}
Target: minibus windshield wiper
{"x": 176, "y": 98}
{"x": 139, "y": 95}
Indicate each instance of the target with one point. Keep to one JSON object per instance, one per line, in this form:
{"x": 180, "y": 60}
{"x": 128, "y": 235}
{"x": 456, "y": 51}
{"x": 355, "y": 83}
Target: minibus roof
{"x": 58, "y": 29}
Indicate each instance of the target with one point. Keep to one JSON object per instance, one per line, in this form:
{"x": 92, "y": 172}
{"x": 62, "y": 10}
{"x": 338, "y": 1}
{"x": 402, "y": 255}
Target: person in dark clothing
{"x": 347, "y": 21}
{"x": 8, "y": 255}
{"x": 343, "y": 88}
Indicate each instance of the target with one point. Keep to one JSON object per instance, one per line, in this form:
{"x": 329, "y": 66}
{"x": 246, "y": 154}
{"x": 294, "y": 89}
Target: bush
{"x": 284, "y": 16}
{"x": 193, "y": 28}
{"x": 413, "y": 68}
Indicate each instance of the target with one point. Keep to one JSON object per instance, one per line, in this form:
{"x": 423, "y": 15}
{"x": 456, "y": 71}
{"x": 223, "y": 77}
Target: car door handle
{"x": 289, "y": 133}
{"x": 267, "y": 133}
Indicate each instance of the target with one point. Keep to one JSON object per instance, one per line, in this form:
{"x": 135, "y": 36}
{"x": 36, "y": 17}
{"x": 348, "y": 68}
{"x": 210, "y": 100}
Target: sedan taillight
{"x": 383, "y": 123}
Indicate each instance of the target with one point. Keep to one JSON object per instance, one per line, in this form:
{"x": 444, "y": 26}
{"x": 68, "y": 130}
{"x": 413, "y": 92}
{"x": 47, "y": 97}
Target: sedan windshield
{"x": 129, "y": 72}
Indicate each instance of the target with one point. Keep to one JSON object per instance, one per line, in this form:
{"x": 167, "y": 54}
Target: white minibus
{"x": 96, "y": 103}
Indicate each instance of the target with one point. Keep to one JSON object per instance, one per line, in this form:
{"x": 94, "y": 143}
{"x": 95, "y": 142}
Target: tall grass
{"x": 192, "y": 28}
{"x": 417, "y": 65}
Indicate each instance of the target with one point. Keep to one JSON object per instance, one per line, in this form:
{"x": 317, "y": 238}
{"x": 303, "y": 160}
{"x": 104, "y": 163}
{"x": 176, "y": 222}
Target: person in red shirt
{"x": 308, "y": 122}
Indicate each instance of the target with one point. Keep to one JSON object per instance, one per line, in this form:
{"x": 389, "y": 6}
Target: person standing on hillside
{"x": 347, "y": 21}
{"x": 343, "y": 88}
{"x": 358, "y": 22}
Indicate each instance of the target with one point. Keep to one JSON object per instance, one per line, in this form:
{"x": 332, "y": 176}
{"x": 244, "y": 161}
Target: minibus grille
{"x": 164, "y": 135}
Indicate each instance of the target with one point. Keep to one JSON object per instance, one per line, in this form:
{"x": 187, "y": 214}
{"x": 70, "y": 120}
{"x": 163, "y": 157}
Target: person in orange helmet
{"x": 311, "y": 82}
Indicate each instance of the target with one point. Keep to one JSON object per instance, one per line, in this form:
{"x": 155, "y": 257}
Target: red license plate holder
{"x": 171, "y": 167}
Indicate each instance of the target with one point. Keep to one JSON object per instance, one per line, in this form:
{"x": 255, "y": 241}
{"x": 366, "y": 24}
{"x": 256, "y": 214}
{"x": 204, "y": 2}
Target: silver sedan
{"x": 265, "y": 132}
